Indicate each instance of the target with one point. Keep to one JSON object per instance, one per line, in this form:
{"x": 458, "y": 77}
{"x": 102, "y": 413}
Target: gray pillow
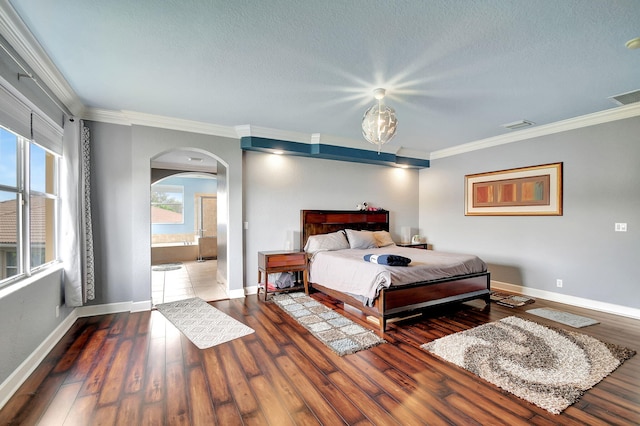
{"x": 361, "y": 239}
{"x": 326, "y": 242}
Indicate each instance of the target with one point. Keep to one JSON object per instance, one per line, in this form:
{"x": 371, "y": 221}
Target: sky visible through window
{"x": 8, "y": 159}
{"x": 9, "y": 162}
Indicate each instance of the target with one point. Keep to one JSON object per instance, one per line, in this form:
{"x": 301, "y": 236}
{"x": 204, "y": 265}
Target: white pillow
{"x": 361, "y": 239}
{"x": 326, "y": 242}
{"x": 383, "y": 238}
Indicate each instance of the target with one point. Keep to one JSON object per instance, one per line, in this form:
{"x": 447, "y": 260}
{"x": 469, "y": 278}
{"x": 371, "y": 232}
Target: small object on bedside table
{"x": 423, "y": 246}
{"x": 270, "y": 262}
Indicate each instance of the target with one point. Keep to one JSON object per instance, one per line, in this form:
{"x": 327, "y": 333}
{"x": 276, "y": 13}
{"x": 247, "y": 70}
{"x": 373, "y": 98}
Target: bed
{"x": 419, "y": 286}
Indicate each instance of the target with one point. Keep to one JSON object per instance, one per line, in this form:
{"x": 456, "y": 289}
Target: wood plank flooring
{"x": 138, "y": 369}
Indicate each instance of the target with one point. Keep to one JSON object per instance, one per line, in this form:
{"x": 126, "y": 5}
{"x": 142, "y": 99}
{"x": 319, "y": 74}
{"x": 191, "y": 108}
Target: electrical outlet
{"x": 621, "y": 227}
{"x": 558, "y": 283}
{"x": 57, "y": 311}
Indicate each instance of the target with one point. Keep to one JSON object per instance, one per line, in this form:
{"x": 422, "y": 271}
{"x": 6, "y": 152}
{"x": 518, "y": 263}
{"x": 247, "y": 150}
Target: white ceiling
{"x": 454, "y": 70}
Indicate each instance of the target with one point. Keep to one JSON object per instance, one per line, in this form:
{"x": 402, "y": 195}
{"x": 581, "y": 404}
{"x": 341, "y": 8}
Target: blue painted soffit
{"x": 330, "y": 152}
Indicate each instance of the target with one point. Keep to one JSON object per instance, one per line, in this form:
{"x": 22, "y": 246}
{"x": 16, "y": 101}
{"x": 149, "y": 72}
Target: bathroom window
{"x": 167, "y": 204}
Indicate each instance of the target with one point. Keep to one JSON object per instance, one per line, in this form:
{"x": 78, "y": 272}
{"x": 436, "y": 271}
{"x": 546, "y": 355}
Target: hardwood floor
{"x": 137, "y": 369}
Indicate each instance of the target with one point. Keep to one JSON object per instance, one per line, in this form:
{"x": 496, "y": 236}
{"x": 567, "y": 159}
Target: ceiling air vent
{"x": 518, "y": 124}
{"x": 626, "y": 98}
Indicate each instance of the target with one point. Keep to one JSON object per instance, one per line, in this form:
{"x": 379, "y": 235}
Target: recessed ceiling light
{"x": 518, "y": 124}
{"x": 278, "y": 152}
{"x": 634, "y": 43}
{"x": 196, "y": 159}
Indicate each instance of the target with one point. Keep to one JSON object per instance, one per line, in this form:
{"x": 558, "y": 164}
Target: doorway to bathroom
{"x": 184, "y": 234}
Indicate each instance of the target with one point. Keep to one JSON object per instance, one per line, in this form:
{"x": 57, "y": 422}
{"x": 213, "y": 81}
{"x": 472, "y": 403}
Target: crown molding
{"x": 151, "y": 120}
{"x": 248, "y": 130}
{"x": 606, "y": 116}
{"x": 106, "y": 116}
{"x": 129, "y": 118}
{"x": 14, "y": 30}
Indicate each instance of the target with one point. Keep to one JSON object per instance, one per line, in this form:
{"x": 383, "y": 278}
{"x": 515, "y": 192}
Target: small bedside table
{"x": 423, "y": 246}
{"x": 270, "y": 262}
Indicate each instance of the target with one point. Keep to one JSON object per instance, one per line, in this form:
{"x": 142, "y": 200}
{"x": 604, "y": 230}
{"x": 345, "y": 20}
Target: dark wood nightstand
{"x": 423, "y": 246}
{"x": 270, "y": 262}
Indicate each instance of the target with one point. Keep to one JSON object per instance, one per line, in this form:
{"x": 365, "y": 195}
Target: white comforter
{"x": 348, "y": 272}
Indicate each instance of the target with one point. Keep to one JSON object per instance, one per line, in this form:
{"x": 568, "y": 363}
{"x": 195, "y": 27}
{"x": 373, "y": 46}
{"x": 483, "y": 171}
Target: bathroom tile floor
{"x": 192, "y": 279}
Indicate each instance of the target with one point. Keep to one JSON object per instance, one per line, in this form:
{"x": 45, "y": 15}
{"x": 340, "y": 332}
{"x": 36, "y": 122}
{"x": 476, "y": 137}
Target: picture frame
{"x": 524, "y": 191}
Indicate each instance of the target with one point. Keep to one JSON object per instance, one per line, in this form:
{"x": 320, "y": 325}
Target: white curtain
{"x": 76, "y": 236}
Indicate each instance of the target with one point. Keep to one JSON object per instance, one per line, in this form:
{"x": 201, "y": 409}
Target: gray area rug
{"x": 548, "y": 367}
{"x": 566, "y": 318}
{"x": 167, "y": 267}
{"x": 203, "y": 324}
{"x": 340, "y": 334}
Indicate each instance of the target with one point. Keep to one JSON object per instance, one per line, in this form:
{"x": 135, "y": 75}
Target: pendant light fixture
{"x": 379, "y": 123}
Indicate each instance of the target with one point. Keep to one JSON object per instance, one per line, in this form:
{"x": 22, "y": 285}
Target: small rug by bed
{"x": 566, "y": 318}
{"x": 510, "y": 300}
{"x": 340, "y": 334}
{"x": 549, "y": 367}
{"x": 203, "y": 324}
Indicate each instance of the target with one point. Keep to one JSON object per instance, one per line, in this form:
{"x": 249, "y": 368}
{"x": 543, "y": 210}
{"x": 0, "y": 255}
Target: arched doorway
{"x": 184, "y": 226}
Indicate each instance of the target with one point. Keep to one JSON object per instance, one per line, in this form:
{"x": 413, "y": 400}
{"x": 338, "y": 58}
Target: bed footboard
{"x": 419, "y": 296}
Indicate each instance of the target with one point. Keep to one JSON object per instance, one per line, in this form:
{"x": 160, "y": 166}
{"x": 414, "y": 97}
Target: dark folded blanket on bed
{"x": 387, "y": 259}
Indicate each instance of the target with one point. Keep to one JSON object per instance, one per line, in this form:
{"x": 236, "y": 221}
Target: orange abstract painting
{"x": 531, "y": 190}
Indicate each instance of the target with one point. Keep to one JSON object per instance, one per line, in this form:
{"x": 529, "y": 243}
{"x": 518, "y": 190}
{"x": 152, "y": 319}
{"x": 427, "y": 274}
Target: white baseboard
{"x": 237, "y": 294}
{"x": 110, "y": 308}
{"x": 24, "y": 370}
{"x": 610, "y": 308}
{"x": 145, "y": 305}
{"x": 251, "y": 290}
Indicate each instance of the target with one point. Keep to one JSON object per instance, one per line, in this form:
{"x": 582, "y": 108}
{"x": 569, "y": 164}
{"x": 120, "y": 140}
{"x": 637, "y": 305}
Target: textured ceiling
{"x": 455, "y": 71}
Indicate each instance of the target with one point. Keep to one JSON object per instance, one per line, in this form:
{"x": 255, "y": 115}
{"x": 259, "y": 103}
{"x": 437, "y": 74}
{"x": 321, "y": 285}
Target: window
{"x": 167, "y": 204}
{"x": 28, "y": 206}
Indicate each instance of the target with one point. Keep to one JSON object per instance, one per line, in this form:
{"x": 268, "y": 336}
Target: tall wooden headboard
{"x": 313, "y": 222}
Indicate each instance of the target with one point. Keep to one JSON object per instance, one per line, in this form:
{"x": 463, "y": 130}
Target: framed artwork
{"x": 526, "y": 191}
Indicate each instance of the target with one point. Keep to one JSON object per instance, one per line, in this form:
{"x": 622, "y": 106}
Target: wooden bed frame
{"x": 392, "y": 301}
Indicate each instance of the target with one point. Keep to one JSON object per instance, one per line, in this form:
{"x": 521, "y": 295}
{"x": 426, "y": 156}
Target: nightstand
{"x": 423, "y": 246}
{"x": 270, "y": 262}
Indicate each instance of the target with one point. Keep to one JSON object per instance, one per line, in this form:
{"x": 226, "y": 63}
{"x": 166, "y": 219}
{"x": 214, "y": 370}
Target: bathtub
{"x": 205, "y": 248}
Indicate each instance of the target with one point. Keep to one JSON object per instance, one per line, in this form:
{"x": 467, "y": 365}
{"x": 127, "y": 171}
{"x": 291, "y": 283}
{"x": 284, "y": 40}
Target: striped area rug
{"x": 340, "y": 334}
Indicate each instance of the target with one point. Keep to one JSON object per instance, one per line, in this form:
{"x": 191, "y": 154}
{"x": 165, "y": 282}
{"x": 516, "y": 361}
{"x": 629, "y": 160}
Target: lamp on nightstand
{"x": 405, "y": 234}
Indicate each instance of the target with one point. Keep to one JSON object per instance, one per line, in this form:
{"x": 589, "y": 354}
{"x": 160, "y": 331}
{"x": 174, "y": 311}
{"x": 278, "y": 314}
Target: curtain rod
{"x": 27, "y": 74}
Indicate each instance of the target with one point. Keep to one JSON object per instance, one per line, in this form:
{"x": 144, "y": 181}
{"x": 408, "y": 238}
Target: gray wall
{"x": 601, "y": 187}
{"x": 28, "y": 317}
{"x": 111, "y": 208}
{"x": 277, "y": 187}
{"x": 121, "y": 181}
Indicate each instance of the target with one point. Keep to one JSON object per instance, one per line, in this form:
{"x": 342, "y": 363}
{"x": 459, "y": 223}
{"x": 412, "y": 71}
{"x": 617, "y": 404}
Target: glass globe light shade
{"x": 379, "y": 124}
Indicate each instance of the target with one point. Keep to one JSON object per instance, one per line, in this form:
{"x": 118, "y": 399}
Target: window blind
{"x": 21, "y": 119}
{"x": 14, "y": 114}
{"x": 46, "y": 134}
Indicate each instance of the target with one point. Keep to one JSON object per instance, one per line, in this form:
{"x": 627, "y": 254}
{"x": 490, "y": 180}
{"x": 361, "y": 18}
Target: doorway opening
{"x": 184, "y": 232}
